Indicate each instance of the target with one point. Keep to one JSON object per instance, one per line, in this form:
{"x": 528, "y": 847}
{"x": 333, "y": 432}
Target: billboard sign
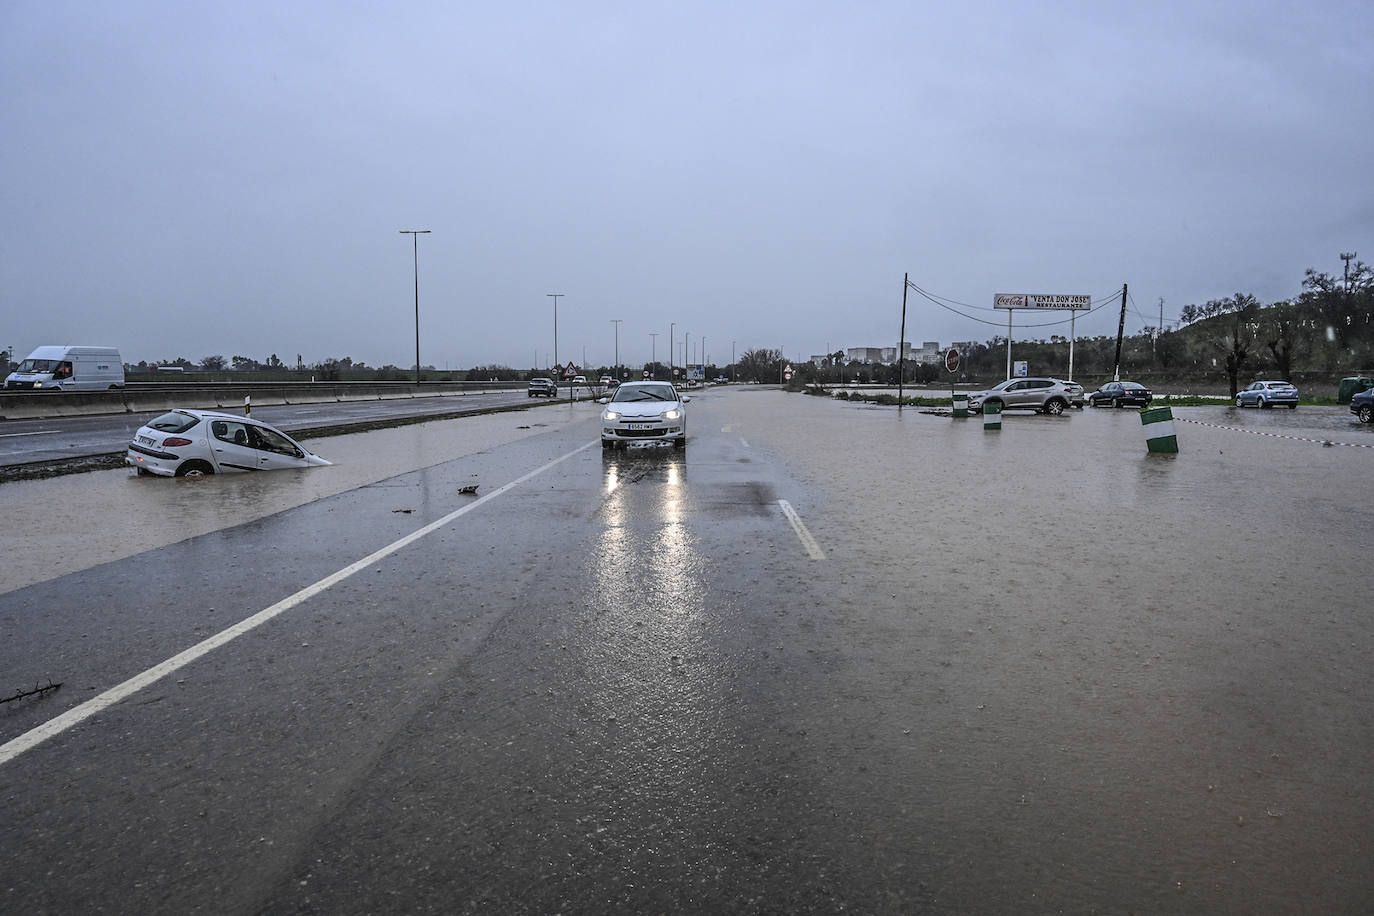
{"x": 1040, "y": 301}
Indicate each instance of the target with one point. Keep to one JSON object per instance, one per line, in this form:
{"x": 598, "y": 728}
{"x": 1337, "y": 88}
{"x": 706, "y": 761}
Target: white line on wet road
{"x": 79, "y": 714}
{"x": 807, "y": 540}
{"x": 37, "y": 432}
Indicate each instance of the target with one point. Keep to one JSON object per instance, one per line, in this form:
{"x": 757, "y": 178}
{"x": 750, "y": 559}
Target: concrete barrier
{"x": 992, "y": 416}
{"x": 24, "y": 406}
{"x": 960, "y": 406}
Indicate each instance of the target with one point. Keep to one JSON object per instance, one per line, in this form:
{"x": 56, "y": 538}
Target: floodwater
{"x": 1037, "y": 670}
{"x": 65, "y": 524}
{"x": 1079, "y": 677}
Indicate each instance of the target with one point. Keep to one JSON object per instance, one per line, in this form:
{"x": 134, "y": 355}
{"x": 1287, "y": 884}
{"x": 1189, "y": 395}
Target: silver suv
{"x": 1050, "y": 395}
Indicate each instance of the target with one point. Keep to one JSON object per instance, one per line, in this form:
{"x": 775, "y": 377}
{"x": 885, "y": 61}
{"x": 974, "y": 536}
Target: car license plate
{"x": 641, "y": 426}
{"x": 145, "y": 440}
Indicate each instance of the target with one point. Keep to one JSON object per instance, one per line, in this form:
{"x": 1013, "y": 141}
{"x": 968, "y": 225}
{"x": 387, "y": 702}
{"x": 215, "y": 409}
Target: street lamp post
{"x": 653, "y": 348}
{"x": 415, "y": 254}
{"x": 555, "y": 326}
{"x": 616, "y": 370}
{"x": 672, "y": 325}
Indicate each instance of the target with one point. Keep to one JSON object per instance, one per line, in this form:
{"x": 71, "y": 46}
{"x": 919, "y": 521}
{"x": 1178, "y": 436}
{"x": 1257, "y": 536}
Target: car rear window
{"x": 174, "y": 422}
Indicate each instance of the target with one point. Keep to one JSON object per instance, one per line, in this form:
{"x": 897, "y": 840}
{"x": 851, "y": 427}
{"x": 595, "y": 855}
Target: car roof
{"x": 219, "y": 415}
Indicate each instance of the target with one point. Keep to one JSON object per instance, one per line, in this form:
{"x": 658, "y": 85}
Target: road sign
{"x": 570, "y": 371}
{"x": 952, "y": 360}
{"x": 646, "y": 373}
{"x": 787, "y": 373}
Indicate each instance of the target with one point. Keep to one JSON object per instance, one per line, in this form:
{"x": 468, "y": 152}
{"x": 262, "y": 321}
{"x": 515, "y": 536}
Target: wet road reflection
{"x": 645, "y": 645}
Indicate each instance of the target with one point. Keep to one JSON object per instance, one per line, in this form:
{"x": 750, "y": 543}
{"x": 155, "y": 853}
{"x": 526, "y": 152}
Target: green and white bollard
{"x": 992, "y": 415}
{"x": 961, "y": 407}
{"x": 1159, "y": 430}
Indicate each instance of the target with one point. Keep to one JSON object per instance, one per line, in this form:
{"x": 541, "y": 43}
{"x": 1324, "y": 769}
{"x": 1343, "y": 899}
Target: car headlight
{"x": 673, "y": 414}
{"x": 610, "y": 416}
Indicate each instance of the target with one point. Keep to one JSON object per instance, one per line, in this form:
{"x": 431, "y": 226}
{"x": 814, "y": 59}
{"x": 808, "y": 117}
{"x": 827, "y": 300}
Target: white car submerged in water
{"x": 194, "y": 443}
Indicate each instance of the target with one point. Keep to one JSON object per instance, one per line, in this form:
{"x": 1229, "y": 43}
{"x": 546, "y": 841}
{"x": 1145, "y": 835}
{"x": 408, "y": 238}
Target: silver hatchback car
{"x": 1050, "y": 395}
{"x": 1268, "y": 394}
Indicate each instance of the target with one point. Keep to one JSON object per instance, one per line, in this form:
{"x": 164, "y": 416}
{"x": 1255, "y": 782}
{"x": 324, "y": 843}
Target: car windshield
{"x": 174, "y": 422}
{"x": 644, "y": 393}
{"x": 37, "y": 365}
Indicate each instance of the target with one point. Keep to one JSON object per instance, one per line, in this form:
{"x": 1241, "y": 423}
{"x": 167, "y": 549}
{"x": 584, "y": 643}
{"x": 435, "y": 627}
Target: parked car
{"x": 641, "y": 411}
{"x": 194, "y": 443}
{"x": 543, "y": 387}
{"x": 1050, "y": 395}
{"x": 1268, "y": 394}
{"x": 1362, "y": 405}
{"x": 1121, "y": 394}
{"x": 579, "y": 380}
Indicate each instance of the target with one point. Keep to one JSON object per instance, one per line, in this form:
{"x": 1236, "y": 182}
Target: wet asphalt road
{"x": 626, "y": 684}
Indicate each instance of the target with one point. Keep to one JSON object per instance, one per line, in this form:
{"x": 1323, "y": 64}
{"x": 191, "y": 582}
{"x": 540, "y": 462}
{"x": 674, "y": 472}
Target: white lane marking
{"x": 807, "y": 540}
{"x": 744, "y": 443}
{"x": 41, "y": 432}
{"x": 78, "y": 714}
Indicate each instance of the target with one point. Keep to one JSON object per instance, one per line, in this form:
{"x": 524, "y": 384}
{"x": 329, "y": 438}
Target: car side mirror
{"x": 603, "y": 400}
{"x": 686, "y": 400}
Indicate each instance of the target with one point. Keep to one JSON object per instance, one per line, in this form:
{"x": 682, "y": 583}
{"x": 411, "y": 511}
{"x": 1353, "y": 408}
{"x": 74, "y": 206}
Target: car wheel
{"x": 1116, "y": 403}
{"x": 1054, "y": 407}
{"x": 680, "y": 442}
{"x": 1292, "y": 406}
{"x": 1263, "y": 404}
{"x": 1239, "y": 402}
{"x": 195, "y": 469}
{"x": 608, "y": 443}
{"x": 1365, "y": 414}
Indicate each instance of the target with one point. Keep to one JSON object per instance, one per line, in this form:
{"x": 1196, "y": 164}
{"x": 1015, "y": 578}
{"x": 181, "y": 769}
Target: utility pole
{"x": 1120, "y": 330}
{"x": 901, "y": 351}
{"x": 653, "y": 349}
{"x": 1159, "y": 328}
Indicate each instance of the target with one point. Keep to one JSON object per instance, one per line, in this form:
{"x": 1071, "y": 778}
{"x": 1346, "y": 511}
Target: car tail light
{"x": 175, "y": 442}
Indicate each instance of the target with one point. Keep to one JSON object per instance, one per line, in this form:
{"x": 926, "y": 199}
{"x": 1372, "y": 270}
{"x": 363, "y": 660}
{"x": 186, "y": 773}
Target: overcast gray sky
{"x": 185, "y": 179}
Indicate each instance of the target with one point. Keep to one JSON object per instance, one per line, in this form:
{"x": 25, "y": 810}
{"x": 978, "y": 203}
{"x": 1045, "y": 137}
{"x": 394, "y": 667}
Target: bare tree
{"x": 1230, "y": 330}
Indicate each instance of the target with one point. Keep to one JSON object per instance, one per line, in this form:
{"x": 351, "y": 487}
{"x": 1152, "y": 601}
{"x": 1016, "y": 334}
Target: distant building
{"x": 864, "y": 355}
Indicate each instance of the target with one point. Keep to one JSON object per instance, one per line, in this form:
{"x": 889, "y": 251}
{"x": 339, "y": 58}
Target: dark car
{"x": 543, "y": 387}
{"x": 1121, "y": 394}
{"x": 1362, "y": 405}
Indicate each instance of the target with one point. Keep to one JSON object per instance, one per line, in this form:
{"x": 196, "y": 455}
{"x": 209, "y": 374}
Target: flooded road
{"x": 1032, "y": 670}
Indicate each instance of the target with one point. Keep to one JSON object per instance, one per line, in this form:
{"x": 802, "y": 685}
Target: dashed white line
{"x": 39, "y": 432}
{"x": 807, "y": 540}
{"x": 77, "y": 714}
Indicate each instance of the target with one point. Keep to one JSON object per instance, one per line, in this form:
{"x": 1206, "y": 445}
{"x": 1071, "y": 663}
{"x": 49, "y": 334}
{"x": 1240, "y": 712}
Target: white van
{"x": 69, "y": 369}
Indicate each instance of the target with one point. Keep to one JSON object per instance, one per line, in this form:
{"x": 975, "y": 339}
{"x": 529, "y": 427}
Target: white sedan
{"x": 644, "y": 412}
{"x": 194, "y": 443}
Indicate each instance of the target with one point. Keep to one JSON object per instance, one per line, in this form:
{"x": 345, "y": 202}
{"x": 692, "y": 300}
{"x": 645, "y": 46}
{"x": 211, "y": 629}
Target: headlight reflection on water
{"x": 645, "y": 653}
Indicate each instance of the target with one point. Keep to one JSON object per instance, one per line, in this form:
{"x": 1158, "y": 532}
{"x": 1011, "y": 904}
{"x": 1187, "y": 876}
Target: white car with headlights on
{"x": 194, "y": 443}
{"x": 644, "y": 412}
